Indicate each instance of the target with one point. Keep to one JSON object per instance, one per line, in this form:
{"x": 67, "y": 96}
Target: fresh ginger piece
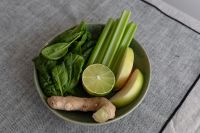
{"x": 105, "y": 110}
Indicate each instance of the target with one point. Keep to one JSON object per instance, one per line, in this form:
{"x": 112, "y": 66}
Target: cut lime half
{"x": 98, "y": 79}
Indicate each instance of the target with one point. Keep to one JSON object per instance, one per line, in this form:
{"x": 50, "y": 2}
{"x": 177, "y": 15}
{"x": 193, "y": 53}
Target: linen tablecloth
{"x": 26, "y": 25}
{"x": 183, "y": 15}
{"x": 186, "y": 119}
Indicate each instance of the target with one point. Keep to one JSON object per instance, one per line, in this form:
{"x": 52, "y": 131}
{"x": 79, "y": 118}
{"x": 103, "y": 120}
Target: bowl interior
{"x": 141, "y": 62}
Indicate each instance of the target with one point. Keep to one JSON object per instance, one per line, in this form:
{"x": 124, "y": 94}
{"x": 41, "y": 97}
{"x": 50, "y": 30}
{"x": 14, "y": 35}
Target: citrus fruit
{"x": 98, "y": 79}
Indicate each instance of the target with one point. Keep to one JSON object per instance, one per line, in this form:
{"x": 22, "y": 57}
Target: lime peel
{"x": 98, "y": 79}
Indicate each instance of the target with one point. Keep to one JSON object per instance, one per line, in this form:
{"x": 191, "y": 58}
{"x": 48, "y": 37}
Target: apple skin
{"x": 130, "y": 91}
{"x": 124, "y": 69}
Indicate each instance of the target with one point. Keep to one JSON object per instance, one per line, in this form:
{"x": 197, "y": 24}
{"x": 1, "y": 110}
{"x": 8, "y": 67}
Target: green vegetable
{"x": 70, "y": 34}
{"x": 83, "y": 39}
{"x": 124, "y": 44}
{"x": 100, "y": 42}
{"x": 60, "y": 77}
{"x": 87, "y": 45}
{"x": 106, "y": 43}
{"x": 87, "y": 51}
{"x": 60, "y": 63}
{"x": 59, "y": 47}
{"x": 66, "y": 75}
{"x": 43, "y": 66}
{"x": 116, "y": 38}
{"x": 58, "y": 50}
{"x": 78, "y": 44}
{"x": 74, "y": 64}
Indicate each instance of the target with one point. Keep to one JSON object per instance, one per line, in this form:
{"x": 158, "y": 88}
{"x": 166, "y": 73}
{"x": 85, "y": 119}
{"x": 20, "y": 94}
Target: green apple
{"x": 130, "y": 91}
{"x": 124, "y": 69}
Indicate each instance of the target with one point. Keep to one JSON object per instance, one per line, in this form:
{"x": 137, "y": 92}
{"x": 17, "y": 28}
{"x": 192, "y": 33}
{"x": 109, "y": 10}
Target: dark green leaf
{"x": 87, "y": 50}
{"x": 87, "y": 53}
{"x": 55, "y": 51}
{"x": 77, "y": 45}
{"x": 59, "y": 75}
{"x": 78, "y": 90}
{"x": 68, "y": 35}
{"x": 88, "y": 45}
{"x": 41, "y": 63}
{"x": 74, "y": 64}
{"x": 58, "y": 50}
{"x": 66, "y": 75}
{"x": 43, "y": 66}
{"x": 60, "y": 64}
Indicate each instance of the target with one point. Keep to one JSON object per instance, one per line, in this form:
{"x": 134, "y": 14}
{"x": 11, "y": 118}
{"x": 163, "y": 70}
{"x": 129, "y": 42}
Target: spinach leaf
{"x": 55, "y": 51}
{"x": 74, "y": 63}
{"x": 41, "y": 62}
{"x": 43, "y": 66}
{"x": 66, "y": 75}
{"x": 87, "y": 45}
{"x": 87, "y": 53}
{"x": 68, "y": 35}
{"x": 59, "y": 75}
{"x": 87, "y": 50}
{"x": 78, "y": 44}
{"x": 60, "y": 63}
{"x": 76, "y": 48}
{"x": 58, "y": 50}
{"x": 78, "y": 90}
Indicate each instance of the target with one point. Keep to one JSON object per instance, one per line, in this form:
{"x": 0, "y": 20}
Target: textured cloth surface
{"x": 26, "y": 25}
{"x": 178, "y": 14}
{"x": 186, "y": 119}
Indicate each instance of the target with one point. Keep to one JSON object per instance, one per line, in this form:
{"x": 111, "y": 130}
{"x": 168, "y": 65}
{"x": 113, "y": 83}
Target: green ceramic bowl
{"x": 85, "y": 118}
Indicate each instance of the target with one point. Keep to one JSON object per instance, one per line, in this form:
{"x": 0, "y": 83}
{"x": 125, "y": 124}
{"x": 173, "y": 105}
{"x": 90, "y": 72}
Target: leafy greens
{"x": 67, "y": 74}
{"x": 60, "y": 64}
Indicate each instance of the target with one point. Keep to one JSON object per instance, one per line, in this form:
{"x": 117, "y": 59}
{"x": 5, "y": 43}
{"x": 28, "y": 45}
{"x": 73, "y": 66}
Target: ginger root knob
{"x": 105, "y": 110}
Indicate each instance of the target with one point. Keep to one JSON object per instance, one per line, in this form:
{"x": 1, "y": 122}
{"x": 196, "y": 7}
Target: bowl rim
{"x": 39, "y": 90}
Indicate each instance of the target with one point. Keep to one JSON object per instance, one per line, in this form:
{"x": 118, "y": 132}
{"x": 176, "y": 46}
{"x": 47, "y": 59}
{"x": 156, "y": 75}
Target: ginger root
{"x": 105, "y": 110}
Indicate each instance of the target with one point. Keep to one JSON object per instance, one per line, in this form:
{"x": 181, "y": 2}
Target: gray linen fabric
{"x": 187, "y": 119}
{"x": 26, "y": 25}
{"x": 176, "y": 13}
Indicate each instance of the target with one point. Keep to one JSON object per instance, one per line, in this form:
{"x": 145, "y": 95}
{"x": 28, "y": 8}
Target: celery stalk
{"x": 116, "y": 38}
{"x": 100, "y": 41}
{"x": 124, "y": 44}
{"x": 106, "y": 43}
